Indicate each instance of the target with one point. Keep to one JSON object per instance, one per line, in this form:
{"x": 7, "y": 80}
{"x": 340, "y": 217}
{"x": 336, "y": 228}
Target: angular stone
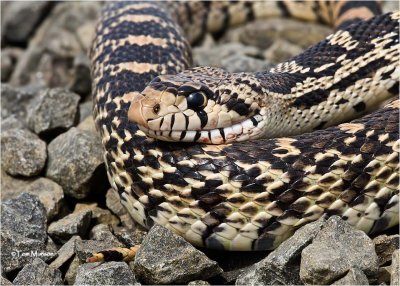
{"x": 12, "y": 187}
{"x": 9, "y": 57}
{"x": 18, "y": 250}
{"x": 70, "y": 225}
{"x": 242, "y": 63}
{"x": 49, "y": 56}
{"x": 38, "y": 273}
{"x": 281, "y": 51}
{"x": 213, "y": 56}
{"x": 74, "y": 157}
{"x": 5, "y": 282}
{"x": 26, "y": 216}
{"x": 53, "y": 111}
{"x": 23, "y": 153}
{"x": 86, "y": 248}
{"x": 166, "y": 258}
{"x": 262, "y": 33}
{"x": 113, "y": 203}
{"x": 65, "y": 252}
{"x": 198, "y": 282}
{"x": 354, "y": 277}
{"x": 395, "y": 277}
{"x": 336, "y": 249}
{"x": 385, "y": 246}
{"x": 12, "y": 122}
{"x": 99, "y": 215}
{"x": 130, "y": 237}
{"x": 103, "y": 232}
{"x": 281, "y": 266}
{"x": 109, "y": 273}
{"x": 72, "y": 270}
{"x": 82, "y": 82}
{"x": 21, "y": 19}
{"x": 15, "y": 101}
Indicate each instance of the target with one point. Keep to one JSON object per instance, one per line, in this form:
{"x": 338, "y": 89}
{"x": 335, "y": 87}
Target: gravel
{"x": 53, "y": 179}
{"x": 38, "y": 273}
{"x": 23, "y": 153}
{"x": 165, "y": 258}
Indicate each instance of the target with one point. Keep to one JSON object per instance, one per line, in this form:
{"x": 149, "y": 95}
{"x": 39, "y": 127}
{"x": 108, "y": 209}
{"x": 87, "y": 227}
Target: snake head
{"x": 198, "y": 105}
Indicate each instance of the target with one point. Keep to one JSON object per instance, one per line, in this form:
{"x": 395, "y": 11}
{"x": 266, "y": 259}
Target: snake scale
{"x": 248, "y": 195}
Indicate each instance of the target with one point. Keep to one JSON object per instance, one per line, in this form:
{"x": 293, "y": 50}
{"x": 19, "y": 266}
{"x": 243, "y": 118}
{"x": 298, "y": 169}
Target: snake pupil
{"x": 196, "y": 100}
{"x": 156, "y": 108}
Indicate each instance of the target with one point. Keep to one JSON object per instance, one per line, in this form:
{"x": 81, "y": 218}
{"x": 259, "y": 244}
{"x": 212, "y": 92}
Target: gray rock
{"x": 206, "y": 56}
{"x": 282, "y": 265}
{"x": 86, "y": 248}
{"x": 385, "y": 246}
{"x": 130, "y": 237}
{"x": 113, "y": 202}
{"x": 50, "y": 54}
{"x": 21, "y": 20}
{"x": 241, "y": 63}
{"x": 281, "y": 51}
{"x": 65, "y": 252}
{"x": 354, "y": 277}
{"x": 336, "y": 249}
{"x": 12, "y": 122}
{"x": 16, "y": 100}
{"x": 9, "y": 56}
{"x": 18, "y": 250}
{"x": 109, "y": 273}
{"x": 384, "y": 274}
{"x": 74, "y": 157}
{"x": 23, "y": 153}
{"x": 85, "y": 110}
{"x": 70, "y": 274}
{"x": 103, "y": 232}
{"x": 99, "y": 215}
{"x": 54, "y": 110}
{"x": 49, "y": 193}
{"x": 262, "y": 33}
{"x": 82, "y": 83}
{"x": 5, "y": 282}
{"x": 198, "y": 282}
{"x": 395, "y": 277}
{"x": 38, "y": 273}
{"x": 166, "y": 258}
{"x": 70, "y": 225}
{"x": 26, "y": 216}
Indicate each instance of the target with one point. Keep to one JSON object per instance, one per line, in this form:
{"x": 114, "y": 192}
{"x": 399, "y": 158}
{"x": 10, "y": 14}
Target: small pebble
{"x": 395, "y": 277}
{"x": 23, "y": 153}
{"x": 70, "y": 225}
{"x": 38, "y": 273}
{"x": 385, "y": 245}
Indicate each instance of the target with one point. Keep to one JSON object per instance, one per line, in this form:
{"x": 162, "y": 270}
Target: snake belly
{"x": 248, "y": 195}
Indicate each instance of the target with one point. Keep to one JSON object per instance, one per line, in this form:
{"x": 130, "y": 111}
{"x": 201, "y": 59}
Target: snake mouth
{"x": 249, "y": 129}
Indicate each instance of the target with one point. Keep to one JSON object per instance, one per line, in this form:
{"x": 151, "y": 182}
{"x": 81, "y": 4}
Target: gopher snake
{"x": 248, "y": 195}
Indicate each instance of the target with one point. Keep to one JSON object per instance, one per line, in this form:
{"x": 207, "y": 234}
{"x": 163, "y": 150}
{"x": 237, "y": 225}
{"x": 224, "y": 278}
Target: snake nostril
{"x": 156, "y": 108}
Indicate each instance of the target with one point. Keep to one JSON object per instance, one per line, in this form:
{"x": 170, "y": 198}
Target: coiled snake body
{"x": 248, "y": 195}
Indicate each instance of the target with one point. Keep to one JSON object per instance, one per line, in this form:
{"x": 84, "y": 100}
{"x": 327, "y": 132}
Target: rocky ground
{"x": 57, "y": 207}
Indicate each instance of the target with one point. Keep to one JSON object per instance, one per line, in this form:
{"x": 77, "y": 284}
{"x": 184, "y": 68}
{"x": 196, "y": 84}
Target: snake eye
{"x": 196, "y": 100}
{"x": 156, "y": 108}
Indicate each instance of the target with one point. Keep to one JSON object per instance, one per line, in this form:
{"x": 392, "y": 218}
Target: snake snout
{"x": 143, "y": 109}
